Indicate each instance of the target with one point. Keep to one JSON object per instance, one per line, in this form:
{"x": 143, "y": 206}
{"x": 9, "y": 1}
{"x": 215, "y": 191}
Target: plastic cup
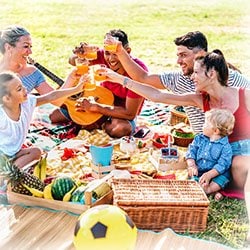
{"x": 90, "y": 53}
{"x": 82, "y": 66}
{"x": 98, "y": 70}
{"x": 110, "y": 43}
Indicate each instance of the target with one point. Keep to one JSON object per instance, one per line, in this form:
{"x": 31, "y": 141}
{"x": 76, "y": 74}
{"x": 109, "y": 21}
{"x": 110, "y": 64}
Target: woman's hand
{"x": 72, "y": 78}
{"x": 112, "y": 76}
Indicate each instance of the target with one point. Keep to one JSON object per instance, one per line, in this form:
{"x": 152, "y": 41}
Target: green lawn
{"x": 57, "y": 26}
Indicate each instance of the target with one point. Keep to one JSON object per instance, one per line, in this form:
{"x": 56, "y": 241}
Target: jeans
{"x": 241, "y": 147}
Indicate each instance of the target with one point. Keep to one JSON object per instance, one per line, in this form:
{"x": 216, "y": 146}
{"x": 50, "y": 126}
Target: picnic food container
{"x": 162, "y": 140}
{"x": 158, "y": 204}
{"x": 177, "y": 115}
{"x": 183, "y": 135}
{"x": 16, "y": 198}
{"x": 101, "y": 154}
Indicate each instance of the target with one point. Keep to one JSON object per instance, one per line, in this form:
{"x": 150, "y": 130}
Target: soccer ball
{"x": 105, "y": 227}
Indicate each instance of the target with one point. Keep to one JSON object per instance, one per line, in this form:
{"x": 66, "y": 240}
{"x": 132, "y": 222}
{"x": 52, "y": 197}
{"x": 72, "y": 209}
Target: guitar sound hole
{"x": 75, "y": 97}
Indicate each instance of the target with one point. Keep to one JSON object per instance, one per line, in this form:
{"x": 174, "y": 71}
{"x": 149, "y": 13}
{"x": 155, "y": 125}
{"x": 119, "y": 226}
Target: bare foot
{"x": 218, "y": 196}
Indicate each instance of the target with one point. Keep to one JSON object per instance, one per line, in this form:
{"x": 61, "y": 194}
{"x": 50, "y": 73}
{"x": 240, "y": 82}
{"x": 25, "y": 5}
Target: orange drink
{"x": 110, "y": 47}
{"x": 82, "y": 66}
{"x": 89, "y": 86}
{"x": 98, "y": 70}
{"x": 90, "y": 53}
{"x": 110, "y": 43}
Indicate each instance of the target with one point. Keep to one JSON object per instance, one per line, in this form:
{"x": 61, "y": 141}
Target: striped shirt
{"x": 180, "y": 84}
{"x": 32, "y": 80}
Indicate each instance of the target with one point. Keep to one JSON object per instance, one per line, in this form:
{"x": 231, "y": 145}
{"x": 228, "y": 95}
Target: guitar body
{"x": 102, "y": 96}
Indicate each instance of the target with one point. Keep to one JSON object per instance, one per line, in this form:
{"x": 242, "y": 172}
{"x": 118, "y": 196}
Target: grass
{"x": 57, "y": 26}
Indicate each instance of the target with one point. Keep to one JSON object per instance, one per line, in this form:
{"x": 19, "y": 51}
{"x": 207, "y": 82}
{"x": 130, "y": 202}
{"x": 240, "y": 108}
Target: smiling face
{"x": 113, "y": 61}
{"x": 185, "y": 58}
{"x": 200, "y": 77}
{"x": 22, "y": 49}
{"x": 16, "y": 91}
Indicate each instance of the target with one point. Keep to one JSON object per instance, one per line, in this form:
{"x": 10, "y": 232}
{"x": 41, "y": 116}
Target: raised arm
{"x": 135, "y": 71}
{"x": 155, "y": 94}
{"x": 62, "y": 93}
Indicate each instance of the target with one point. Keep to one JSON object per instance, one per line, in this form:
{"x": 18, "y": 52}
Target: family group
{"x": 214, "y": 93}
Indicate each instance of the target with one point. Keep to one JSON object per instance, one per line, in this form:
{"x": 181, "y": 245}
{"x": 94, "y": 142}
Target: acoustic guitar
{"x": 100, "y": 95}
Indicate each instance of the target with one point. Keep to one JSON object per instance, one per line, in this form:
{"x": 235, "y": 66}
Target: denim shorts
{"x": 132, "y": 123}
{"x": 221, "y": 180}
{"x": 241, "y": 147}
{"x": 65, "y": 112}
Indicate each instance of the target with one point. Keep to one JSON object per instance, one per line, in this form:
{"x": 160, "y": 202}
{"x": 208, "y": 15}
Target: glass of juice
{"x": 82, "y": 66}
{"x": 90, "y": 52}
{"x": 98, "y": 70}
{"x": 110, "y": 43}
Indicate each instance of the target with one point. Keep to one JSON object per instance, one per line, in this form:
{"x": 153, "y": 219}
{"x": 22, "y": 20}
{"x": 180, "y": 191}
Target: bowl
{"x": 161, "y": 140}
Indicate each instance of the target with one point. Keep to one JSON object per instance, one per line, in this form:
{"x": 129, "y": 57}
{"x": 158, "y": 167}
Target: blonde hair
{"x": 221, "y": 119}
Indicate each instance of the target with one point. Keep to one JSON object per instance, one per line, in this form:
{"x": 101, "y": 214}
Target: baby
{"x": 209, "y": 156}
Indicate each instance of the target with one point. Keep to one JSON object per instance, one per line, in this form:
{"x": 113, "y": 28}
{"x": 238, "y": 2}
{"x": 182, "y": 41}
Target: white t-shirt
{"x": 13, "y": 133}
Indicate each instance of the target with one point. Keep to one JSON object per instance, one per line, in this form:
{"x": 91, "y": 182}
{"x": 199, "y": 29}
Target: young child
{"x": 209, "y": 156}
{"x": 16, "y": 110}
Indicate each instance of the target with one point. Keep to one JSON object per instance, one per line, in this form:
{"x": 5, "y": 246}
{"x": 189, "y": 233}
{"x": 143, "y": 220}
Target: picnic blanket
{"x": 46, "y": 135}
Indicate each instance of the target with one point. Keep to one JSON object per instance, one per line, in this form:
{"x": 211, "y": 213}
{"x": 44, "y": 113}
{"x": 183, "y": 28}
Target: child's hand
{"x": 204, "y": 180}
{"x": 84, "y": 79}
{"x": 72, "y": 78}
{"x": 192, "y": 171}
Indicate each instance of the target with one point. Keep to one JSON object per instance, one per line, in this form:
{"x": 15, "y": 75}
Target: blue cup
{"x": 101, "y": 154}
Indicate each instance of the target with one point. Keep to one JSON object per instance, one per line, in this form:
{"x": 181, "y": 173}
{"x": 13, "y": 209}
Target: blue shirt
{"x": 32, "y": 80}
{"x": 210, "y": 154}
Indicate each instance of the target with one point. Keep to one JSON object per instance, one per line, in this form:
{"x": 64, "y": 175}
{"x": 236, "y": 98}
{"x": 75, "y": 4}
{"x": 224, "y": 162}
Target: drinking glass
{"x": 82, "y": 66}
{"x": 110, "y": 43}
{"x": 98, "y": 69}
{"x": 90, "y": 52}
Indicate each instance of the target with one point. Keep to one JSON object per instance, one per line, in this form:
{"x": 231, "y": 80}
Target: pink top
{"x": 242, "y": 118}
{"x": 120, "y": 93}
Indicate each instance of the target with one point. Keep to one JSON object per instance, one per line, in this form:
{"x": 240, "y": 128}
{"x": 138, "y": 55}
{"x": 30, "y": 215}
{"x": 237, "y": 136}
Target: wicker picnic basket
{"x": 158, "y": 204}
{"x": 182, "y": 142}
{"x": 177, "y": 116}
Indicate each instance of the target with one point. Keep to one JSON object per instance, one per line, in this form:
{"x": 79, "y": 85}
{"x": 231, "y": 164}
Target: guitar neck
{"x": 48, "y": 73}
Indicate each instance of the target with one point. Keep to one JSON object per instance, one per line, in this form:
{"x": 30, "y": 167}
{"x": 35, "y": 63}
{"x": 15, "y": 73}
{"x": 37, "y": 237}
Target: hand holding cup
{"x": 82, "y": 66}
{"x": 111, "y": 43}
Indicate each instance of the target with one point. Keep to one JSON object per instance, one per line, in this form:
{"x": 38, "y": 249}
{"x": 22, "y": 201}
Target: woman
{"x": 16, "y": 46}
{"x": 210, "y": 77}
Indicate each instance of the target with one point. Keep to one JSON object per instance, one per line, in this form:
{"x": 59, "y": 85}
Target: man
{"x": 127, "y": 105}
{"x": 188, "y": 47}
